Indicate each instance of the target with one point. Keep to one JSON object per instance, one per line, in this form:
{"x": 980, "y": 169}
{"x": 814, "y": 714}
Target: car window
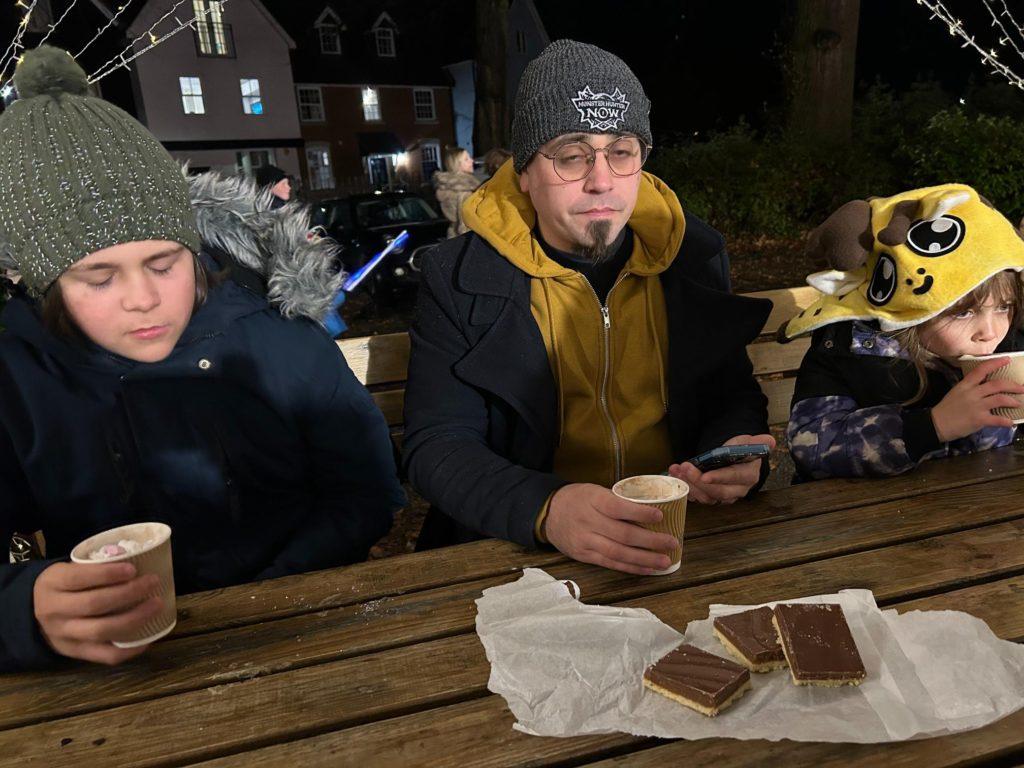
{"x": 331, "y": 214}
{"x": 395, "y": 210}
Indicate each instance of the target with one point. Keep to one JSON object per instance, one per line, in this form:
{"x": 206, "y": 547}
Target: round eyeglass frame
{"x": 645, "y": 151}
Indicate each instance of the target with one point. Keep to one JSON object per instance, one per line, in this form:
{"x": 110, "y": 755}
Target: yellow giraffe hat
{"x": 904, "y": 259}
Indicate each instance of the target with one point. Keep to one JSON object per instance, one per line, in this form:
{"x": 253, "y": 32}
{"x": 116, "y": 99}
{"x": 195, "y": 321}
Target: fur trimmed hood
{"x": 235, "y": 216}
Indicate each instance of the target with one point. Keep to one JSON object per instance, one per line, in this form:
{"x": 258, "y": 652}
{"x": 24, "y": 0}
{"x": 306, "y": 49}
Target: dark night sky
{"x": 707, "y": 64}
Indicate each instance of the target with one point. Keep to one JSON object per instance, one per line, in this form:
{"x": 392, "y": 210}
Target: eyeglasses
{"x": 574, "y": 161}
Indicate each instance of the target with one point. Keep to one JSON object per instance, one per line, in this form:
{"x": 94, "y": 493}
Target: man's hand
{"x": 81, "y": 608}
{"x": 967, "y": 407}
{"x": 725, "y": 485}
{"x": 593, "y": 525}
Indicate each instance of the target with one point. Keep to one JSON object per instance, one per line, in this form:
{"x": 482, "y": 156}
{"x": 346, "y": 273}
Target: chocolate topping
{"x": 698, "y": 675}
{"x": 752, "y": 634}
{"x": 818, "y": 644}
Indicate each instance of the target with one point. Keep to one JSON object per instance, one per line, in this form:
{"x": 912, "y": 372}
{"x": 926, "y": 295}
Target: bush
{"x": 779, "y": 186}
{"x": 984, "y": 151}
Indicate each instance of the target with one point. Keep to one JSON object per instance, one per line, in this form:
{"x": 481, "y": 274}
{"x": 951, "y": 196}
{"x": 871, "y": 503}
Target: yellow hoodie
{"x": 609, "y": 361}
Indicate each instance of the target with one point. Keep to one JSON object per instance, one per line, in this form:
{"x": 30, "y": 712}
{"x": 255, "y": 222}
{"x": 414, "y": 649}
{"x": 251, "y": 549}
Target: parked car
{"x": 365, "y": 224}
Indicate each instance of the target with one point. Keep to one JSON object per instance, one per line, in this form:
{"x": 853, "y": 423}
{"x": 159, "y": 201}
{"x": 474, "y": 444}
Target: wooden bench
{"x": 382, "y": 362}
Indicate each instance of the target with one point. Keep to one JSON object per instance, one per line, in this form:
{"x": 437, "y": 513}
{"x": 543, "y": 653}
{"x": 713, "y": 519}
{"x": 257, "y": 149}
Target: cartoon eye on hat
{"x": 936, "y": 237}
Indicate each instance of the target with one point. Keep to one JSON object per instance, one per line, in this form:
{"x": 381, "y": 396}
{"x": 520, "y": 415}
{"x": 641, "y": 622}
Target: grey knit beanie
{"x": 77, "y": 174}
{"x": 574, "y": 87}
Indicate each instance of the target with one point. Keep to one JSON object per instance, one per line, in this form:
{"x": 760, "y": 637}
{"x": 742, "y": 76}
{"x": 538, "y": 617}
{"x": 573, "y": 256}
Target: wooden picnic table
{"x": 378, "y": 663}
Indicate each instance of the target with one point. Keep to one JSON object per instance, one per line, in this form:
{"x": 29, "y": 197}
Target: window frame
{"x": 386, "y": 44}
{"x": 432, "y": 118}
{"x": 254, "y": 97}
{"x": 197, "y": 95}
{"x": 320, "y": 103}
{"x": 368, "y": 107}
{"x": 318, "y": 183}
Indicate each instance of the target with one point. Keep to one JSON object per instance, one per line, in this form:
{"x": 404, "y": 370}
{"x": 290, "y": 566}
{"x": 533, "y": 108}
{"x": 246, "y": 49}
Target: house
{"x": 219, "y": 95}
{"x": 374, "y": 103}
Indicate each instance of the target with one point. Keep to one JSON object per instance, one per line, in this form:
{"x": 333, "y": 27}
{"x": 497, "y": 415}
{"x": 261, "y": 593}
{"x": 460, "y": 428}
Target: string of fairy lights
{"x": 1007, "y": 27}
{"x": 154, "y": 35}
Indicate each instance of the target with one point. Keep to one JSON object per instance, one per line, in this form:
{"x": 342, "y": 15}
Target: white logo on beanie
{"x": 601, "y": 111}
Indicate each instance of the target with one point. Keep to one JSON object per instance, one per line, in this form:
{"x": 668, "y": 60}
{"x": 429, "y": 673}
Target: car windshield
{"x": 330, "y": 214}
{"x": 386, "y": 211}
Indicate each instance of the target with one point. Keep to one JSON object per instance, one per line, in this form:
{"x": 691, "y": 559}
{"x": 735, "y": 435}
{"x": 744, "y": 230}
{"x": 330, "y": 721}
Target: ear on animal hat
{"x": 845, "y": 239}
{"x": 835, "y": 282}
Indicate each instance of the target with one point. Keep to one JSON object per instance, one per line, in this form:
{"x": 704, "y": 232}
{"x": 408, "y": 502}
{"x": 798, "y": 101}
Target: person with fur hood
{"x": 454, "y": 185}
{"x": 162, "y": 360}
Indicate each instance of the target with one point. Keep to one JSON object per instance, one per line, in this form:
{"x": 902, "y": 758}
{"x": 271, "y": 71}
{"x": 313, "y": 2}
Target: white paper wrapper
{"x": 569, "y": 669}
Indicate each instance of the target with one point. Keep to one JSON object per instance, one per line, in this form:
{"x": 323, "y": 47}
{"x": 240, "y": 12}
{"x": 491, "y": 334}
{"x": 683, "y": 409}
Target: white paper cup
{"x": 1013, "y": 372}
{"x": 155, "y": 558}
{"x": 667, "y": 494}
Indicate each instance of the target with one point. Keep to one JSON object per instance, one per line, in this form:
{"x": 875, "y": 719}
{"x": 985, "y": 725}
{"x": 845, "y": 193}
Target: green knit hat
{"x": 78, "y": 174}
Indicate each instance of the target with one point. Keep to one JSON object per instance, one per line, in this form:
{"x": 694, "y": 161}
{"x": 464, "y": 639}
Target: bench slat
{"x": 378, "y": 359}
{"x": 384, "y": 359}
{"x": 779, "y": 393}
{"x": 772, "y": 357}
{"x": 788, "y": 302}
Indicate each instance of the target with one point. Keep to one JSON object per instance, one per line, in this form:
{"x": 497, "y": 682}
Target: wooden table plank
{"x": 190, "y": 663}
{"x": 340, "y": 694}
{"x": 479, "y": 733}
{"x": 308, "y": 593}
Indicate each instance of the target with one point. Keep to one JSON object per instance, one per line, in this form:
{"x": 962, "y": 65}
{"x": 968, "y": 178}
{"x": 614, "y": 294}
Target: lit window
{"x": 311, "y": 104}
{"x": 211, "y": 31}
{"x": 192, "y": 95}
{"x": 385, "y": 42}
{"x": 431, "y": 159}
{"x": 318, "y": 159}
{"x": 423, "y": 103}
{"x": 252, "y": 103}
{"x": 371, "y": 105}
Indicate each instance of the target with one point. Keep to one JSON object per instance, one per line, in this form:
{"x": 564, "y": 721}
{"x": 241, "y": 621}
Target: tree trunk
{"x": 490, "y": 124}
{"x": 820, "y": 78}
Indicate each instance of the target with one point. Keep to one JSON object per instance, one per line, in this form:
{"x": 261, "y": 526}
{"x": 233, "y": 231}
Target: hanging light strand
{"x": 99, "y": 32}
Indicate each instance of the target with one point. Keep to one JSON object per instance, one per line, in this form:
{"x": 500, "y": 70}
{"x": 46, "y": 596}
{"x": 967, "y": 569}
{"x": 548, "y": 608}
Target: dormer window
{"x": 328, "y": 28}
{"x": 384, "y": 30}
{"x": 386, "y": 43}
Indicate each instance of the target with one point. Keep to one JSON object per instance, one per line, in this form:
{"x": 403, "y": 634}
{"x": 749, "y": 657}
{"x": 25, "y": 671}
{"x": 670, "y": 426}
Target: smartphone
{"x": 728, "y": 455}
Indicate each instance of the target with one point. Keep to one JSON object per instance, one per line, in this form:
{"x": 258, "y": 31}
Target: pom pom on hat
{"x": 49, "y": 71}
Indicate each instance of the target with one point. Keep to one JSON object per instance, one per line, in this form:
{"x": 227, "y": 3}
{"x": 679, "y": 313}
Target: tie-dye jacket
{"x": 848, "y": 417}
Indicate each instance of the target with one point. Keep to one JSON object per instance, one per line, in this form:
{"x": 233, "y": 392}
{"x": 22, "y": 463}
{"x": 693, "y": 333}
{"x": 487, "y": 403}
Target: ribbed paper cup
{"x": 667, "y": 494}
{"x": 1013, "y": 372}
{"x": 154, "y": 559}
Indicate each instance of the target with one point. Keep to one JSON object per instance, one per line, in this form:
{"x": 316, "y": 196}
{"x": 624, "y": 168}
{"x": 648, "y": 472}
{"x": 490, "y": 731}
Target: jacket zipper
{"x": 606, "y": 334}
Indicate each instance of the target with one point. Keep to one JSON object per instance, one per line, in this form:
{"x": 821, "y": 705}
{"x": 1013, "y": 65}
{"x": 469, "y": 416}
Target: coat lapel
{"x": 508, "y": 358}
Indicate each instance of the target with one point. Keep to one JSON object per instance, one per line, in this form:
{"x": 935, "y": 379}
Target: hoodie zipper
{"x": 603, "y": 393}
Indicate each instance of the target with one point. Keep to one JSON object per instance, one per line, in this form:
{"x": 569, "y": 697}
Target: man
{"x": 273, "y": 178}
{"x": 580, "y": 333}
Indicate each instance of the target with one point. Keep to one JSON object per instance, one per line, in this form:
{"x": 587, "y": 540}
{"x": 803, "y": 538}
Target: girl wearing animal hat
{"x": 135, "y": 389}
{"x": 919, "y": 280}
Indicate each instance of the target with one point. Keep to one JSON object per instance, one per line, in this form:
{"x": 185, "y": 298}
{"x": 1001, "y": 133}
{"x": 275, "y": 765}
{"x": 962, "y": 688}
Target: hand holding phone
{"x": 727, "y": 455}
{"x": 726, "y": 474}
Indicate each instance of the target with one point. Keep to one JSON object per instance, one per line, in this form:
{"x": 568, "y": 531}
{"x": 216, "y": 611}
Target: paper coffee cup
{"x": 155, "y": 557}
{"x": 667, "y": 494}
{"x": 1013, "y": 372}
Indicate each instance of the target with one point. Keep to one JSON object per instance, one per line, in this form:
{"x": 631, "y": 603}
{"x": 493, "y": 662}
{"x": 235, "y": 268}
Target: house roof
{"x": 421, "y": 32}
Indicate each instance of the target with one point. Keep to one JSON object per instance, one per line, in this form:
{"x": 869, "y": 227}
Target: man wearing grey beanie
{"x": 583, "y": 331}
